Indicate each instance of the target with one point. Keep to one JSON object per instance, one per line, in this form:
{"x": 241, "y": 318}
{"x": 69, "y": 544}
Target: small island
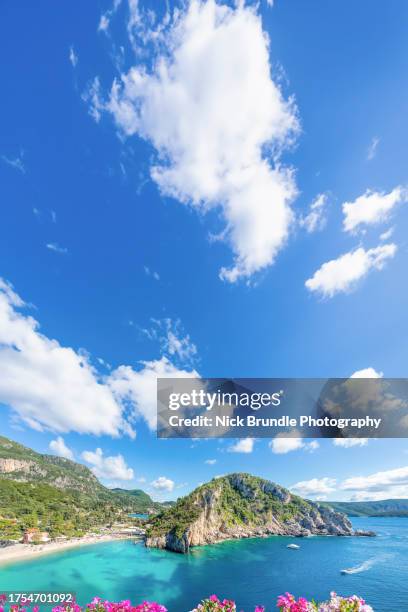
{"x": 241, "y": 506}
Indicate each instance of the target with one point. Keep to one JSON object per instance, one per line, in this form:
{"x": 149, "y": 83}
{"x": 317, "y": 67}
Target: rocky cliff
{"x": 240, "y": 506}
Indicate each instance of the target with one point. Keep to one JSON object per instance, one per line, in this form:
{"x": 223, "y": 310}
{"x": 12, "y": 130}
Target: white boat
{"x": 293, "y": 546}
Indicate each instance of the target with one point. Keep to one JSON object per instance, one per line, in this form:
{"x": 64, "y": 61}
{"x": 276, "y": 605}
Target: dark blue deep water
{"x": 249, "y": 571}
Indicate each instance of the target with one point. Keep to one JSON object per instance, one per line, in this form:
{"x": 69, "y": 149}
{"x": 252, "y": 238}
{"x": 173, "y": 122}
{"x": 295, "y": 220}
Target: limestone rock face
{"x": 241, "y": 506}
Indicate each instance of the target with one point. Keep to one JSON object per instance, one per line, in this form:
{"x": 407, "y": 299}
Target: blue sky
{"x": 168, "y": 224}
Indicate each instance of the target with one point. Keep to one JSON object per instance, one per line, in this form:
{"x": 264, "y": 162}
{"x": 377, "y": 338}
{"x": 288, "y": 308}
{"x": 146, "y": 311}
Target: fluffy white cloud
{"x": 372, "y": 207}
{"x": 367, "y": 373}
{"x": 379, "y": 485}
{"x": 349, "y": 442}
{"x": 210, "y": 461}
{"x": 56, "y": 388}
{"x": 108, "y": 467}
{"x": 281, "y": 445}
{"x": 163, "y": 484}
{"x": 341, "y": 275}
{"x": 316, "y": 218}
{"x": 47, "y": 385}
{"x": 316, "y": 487}
{"x": 59, "y": 447}
{"x": 246, "y": 445}
{"x": 217, "y": 121}
{"x": 139, "y": 387}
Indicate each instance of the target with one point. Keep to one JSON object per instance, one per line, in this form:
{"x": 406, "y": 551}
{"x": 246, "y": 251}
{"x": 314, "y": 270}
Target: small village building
{"x": 35, "y": 536}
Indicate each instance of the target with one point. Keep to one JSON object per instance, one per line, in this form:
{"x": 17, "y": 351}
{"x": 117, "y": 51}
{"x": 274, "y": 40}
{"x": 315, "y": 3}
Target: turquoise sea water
{"x": 139, "y": 515}
{"x": 250, "y": 571}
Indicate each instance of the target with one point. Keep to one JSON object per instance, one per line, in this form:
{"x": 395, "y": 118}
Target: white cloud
{"x": 387, "y": 234}
{"x": 371, "y": 208}
{"x": 15, "y": 162}
{"x": 47, "y": 385}
{"x": 342, "y": 274}
{"x": 372, "y": 149}
{"x": 210, "y": 461}
{"x": 316, "y": 487}
{"x": 105, "y": 18}
{"x": 379, "y": 485}
{"x": 172, "y": 339}
{"x": 104, "y": 21}
{"x": 163, "y": 484}
{"x": 139, "y": 387}
{"x": 218, "y": 123}
{"x": 53, "y": 246}
{"x": 108, "y": 467}
{"x": 349, "y": 442}
{"x": 56, "y": 388}
{"x": 73, "y": 57}
{"x": 246, "y": 445}
{"x": 282, "y": 445}
{"x": 367, "y": 373}
{"x": 151, "y": 273}
{"x": 59, "y": 447}
{"x": 316, "y": 218}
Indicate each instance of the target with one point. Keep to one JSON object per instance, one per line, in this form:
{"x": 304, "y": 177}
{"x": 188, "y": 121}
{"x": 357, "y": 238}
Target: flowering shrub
{"x": 213, "y": 604}
{"x": 285, "y": 603}
{"x": 288, "y": 603}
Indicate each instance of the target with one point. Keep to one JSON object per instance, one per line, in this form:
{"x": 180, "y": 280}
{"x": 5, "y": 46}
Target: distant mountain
{"x": 58, "y": 495}
{"x": 385, "y": 507}
{"x": 143, "y": 500}
{"x": 239, "y": 506}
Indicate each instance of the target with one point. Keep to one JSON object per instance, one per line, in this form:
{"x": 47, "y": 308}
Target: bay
{"x": 252, "y": 571}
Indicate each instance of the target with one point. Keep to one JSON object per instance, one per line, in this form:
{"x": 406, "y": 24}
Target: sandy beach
{"x": 21, "y": 552}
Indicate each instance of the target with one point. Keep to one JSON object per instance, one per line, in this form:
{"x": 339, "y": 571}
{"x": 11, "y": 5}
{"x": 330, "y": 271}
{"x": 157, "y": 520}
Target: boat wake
{"x": 359, "y": 568}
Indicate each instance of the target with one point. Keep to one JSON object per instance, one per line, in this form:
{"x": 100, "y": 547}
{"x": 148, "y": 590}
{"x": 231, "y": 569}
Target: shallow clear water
{"x": 250, "y": 571}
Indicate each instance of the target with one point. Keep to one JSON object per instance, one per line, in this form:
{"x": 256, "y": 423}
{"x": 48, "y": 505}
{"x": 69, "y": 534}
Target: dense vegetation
{"x": 58, "y": 495}
{"x": 236, "y": 508}
{"x": 385, "y": 507}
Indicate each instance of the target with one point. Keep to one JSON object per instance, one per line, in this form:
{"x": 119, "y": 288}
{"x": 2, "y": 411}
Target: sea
{"x": 251, "y": 571}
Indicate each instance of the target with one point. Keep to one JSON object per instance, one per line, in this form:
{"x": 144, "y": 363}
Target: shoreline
{"x": 24, "y": 552}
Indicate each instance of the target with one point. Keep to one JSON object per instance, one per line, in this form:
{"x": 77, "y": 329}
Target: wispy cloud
{"x": 15, "y": 162}
{"x": 54, "y": 246}
{"x": 73, "y": 57}
{"x": 372, "y": 149}
{"x": 152, "y": 273}
{"x": 172, "y": 339}
{"x": 316, "y": 218}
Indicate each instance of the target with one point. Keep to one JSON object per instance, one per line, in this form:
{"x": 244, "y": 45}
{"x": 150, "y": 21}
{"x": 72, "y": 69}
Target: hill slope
{"x": 237, "y": 506}
{"x": 385, "y": 507}
{"x": 17, "y": 462}
{"x": 57, "y": 495}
